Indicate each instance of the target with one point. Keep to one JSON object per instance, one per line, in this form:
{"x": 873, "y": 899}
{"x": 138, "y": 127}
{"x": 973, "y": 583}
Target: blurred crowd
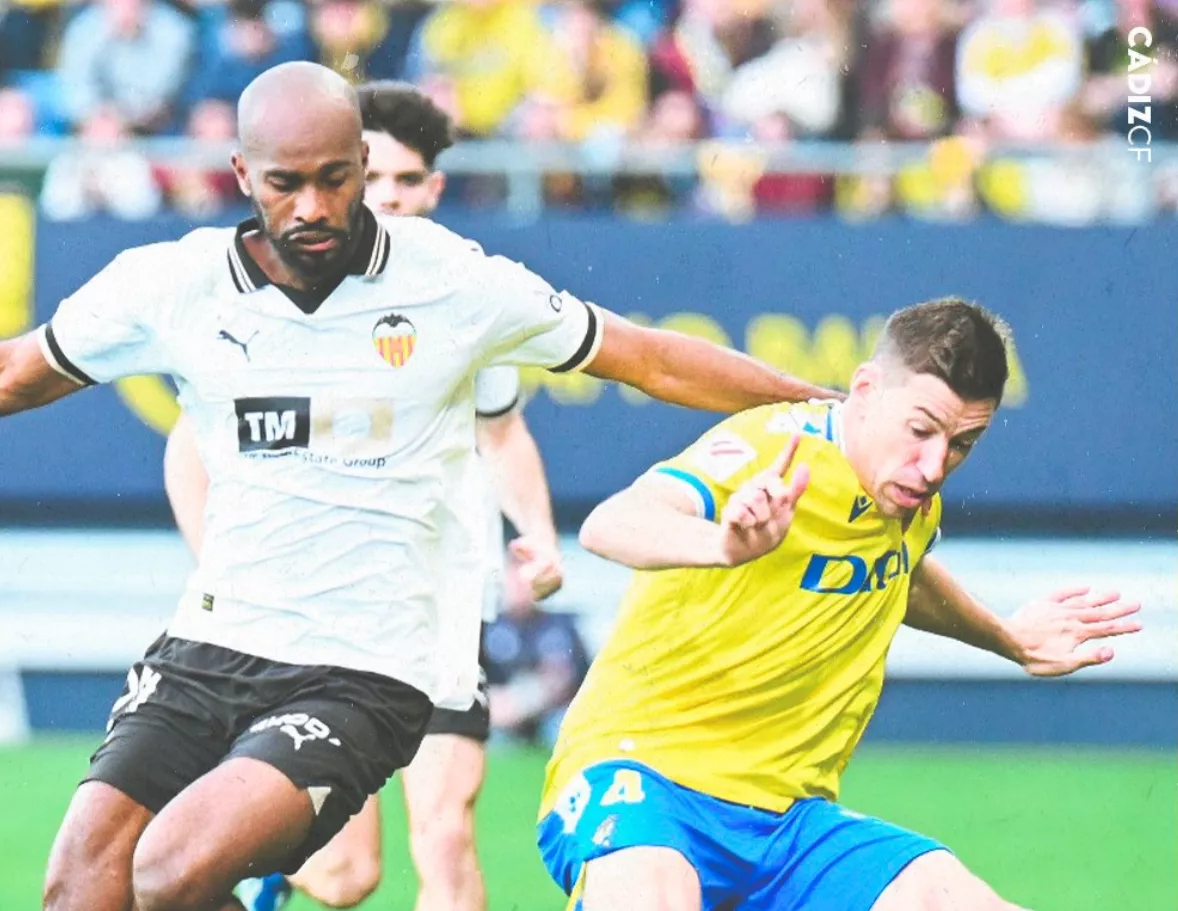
{"x": 627, "y": 81}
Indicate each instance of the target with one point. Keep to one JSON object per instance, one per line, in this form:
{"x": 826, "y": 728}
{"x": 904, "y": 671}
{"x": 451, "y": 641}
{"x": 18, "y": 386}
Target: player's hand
{"x": 540, "y": 566}
{"x": 758, "y": 515}
{"x": 1050, "y": 631}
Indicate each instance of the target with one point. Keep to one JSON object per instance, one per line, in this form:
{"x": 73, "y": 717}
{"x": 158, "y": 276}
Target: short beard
{"x": 315, "y": 270}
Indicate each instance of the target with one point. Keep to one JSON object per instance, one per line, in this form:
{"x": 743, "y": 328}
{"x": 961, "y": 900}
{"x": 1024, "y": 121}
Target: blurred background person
{"x": 535, "y": 660}
{"x": 125, "y": 59}
{"x": 102, "y": 176}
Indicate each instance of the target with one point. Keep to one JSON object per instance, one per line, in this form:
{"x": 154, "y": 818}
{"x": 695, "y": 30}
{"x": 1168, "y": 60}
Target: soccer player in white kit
{"x": 326, "y": 358}
{"x": 406, "y": 132}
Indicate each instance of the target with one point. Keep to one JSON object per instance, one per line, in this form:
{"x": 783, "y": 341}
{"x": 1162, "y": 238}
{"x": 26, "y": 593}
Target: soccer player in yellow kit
{"x": 699, "y": 766}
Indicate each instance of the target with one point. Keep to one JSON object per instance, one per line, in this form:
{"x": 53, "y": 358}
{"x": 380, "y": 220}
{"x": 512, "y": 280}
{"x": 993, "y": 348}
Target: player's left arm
{"x": 533, "y": 324}
{"x": 517, "y": 470}
{"x": 689, "y": 371}
{"x": 27, "y": 379}
{"x": 1045, "y": 637}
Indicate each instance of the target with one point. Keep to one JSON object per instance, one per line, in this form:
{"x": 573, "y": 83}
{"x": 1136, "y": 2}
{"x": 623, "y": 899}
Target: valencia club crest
{"x": 394, "y": 337}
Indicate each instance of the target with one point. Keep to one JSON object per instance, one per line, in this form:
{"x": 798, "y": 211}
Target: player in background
{"x": 326, "y": 357}
{"x": 406, "y": 132}
{"x": 699, "y": 765}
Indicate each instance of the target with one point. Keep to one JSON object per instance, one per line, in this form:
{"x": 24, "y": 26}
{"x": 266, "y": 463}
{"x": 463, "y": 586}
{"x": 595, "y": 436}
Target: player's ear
{"x": 241, "y": 172}
{"x": 437, "y": 185}
{"x": 364, "y": 153}
{"x": 867, "y": 379}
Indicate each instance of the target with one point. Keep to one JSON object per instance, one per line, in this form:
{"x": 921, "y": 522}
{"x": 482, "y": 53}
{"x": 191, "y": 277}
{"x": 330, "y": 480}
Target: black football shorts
{"x": 189, "y": 706}
{"x": 473, "y": 723}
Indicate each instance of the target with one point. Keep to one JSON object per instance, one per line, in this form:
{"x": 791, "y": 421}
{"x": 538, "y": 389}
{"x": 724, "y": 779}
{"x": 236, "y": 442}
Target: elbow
{"x": 594, "y": 534}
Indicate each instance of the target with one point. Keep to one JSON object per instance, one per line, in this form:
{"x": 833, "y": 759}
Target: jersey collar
{"x": 369, "y": 260}
{"x": 835, "y": 434}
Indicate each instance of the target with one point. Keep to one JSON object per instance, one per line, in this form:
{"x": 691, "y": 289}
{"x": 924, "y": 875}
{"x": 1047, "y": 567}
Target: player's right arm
{"x": 667, "y": 520}
{"x": 186, "y": 483}
{"x": 27, "y": 379}
{"x": 98, "y": 334}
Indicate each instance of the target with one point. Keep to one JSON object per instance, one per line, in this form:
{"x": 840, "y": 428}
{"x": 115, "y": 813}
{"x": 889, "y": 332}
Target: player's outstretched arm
{"x": 1044, "y": 637}
{"x": 517, "y": 470}
{"x": 186, "y": 483}
{"x": 27, "y": 379}
{"x": 653, "y": 523}
{"x": 689, "y": 371}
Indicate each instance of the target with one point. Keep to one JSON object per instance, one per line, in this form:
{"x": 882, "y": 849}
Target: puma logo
{"x": 225, "y": 335}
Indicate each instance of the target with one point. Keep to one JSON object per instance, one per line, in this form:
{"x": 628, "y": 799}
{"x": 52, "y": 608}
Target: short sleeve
{"x": 534, "y": 324}
{"x": 100, "y": 333}
{"x": 496, "y": 391}
{"x": 719, "y": 462}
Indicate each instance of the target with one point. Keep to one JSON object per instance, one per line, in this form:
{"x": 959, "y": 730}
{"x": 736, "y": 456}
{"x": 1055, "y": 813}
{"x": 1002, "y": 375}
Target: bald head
{"x": 292, "y": 101}
{"x": 301, "y": 162}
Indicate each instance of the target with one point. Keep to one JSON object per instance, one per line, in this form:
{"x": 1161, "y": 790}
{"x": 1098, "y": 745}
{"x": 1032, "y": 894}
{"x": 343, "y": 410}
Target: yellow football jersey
{"x": 754, "y": 684}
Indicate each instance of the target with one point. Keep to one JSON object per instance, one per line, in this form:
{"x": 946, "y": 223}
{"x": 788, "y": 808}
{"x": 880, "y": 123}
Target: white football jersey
{"x": 337, "y": 431}
{"x": 497, "y": 391}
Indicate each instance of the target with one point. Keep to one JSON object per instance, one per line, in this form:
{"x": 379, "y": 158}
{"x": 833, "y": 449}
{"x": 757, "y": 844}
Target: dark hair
{"x": 959, "y": 342}
{"x": 408, "y": 115}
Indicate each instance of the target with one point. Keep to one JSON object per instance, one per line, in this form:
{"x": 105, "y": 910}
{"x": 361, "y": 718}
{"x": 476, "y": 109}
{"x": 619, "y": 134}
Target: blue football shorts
{"x": 816, "y": 856}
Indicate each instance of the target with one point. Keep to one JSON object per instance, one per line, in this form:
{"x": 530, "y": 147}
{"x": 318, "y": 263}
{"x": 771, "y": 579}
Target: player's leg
{"x": 827, "y": 856}
{"x": 640, "y": 879}
{"x": 621, "y": 836}
{"x": 90, "y": 862}
{"x": 157, "y": 743}
{"x": 292, "y": 780}
{"x": 938, "y": 881}
{"x": 347, "y": 870}
{"x": 243, "y": 818}
{"x": 441, "y": 786}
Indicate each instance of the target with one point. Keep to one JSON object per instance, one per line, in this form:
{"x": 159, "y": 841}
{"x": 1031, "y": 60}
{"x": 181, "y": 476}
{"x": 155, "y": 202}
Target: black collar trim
{"x": 369, "y": 259}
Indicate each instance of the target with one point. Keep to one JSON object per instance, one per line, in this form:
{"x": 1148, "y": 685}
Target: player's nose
{"x": 931, "y": 462}
{"x": 311, "y": 206}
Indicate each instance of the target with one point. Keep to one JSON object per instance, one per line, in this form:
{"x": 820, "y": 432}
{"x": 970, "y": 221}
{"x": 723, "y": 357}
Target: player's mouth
{"x": 908, "y": 497}
{"x": 313, "y": 242}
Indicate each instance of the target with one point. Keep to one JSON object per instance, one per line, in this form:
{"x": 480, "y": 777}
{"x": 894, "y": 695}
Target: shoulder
{"x": 424, "y": 236}
{"x": 160, "y": 273}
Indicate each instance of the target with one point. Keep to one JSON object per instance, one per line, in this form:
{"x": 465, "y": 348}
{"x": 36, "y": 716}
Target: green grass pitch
{"x": 1058, "y": 829}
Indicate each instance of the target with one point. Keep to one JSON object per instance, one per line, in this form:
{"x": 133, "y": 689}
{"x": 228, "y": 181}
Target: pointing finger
{"x": 781, "y": 464}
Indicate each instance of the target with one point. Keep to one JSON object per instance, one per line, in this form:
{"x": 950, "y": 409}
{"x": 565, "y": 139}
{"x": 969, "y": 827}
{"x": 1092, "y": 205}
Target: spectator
{"x": 131, "y": 56}
{"x": 490, "y": 54}
{"x": 1105, "y": 95}
{"x": 800, "y": 77}
{"x": 600, "y": 84}
{"x": 356, "y": 38}
{"x": 101, "y": 176}
{"x": 199, "y": 192}
{"x": 535, "y": 661}
{"x": 708, "y": 41}
{"x": 676, "y": 118}
{"x": 905, "y": 79}
{"x": 1017, "y": 66}
{"x": 241, "y": 46}
{"x": 787, "y": 194}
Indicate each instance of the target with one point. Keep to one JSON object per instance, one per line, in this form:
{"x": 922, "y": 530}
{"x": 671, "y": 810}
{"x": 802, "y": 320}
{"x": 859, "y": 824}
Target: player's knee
{"x": 166, "y": 881}
{"x": 345, "y": 882}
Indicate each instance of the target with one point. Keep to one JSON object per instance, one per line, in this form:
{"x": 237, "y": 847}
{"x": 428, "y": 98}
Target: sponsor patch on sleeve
{"x": 722, "y": 455}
